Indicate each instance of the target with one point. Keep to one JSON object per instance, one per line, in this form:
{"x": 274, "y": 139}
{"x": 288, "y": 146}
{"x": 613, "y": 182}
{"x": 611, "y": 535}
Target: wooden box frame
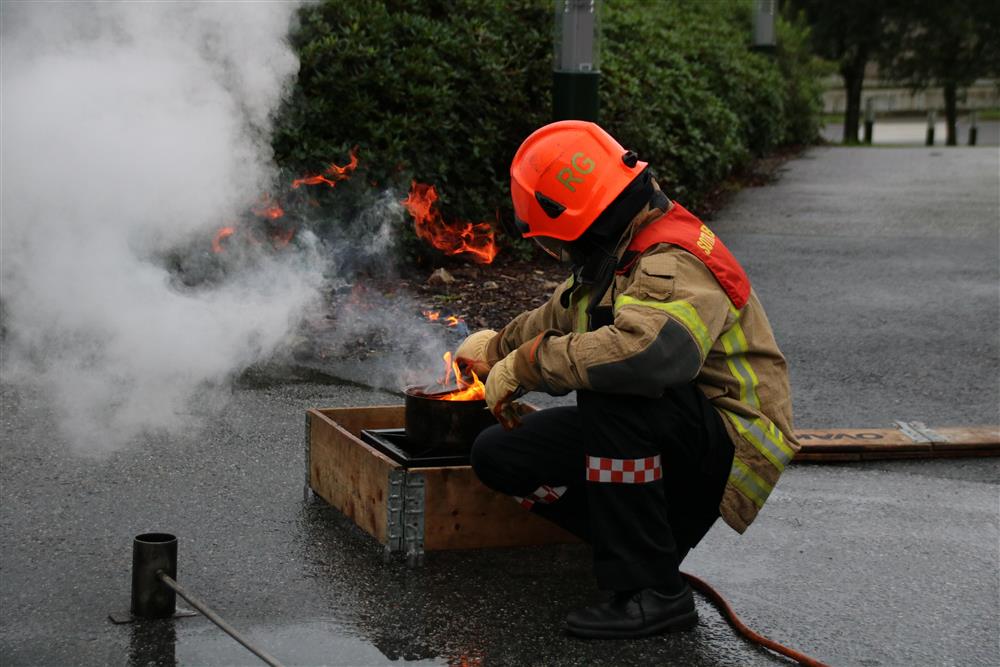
{"x": 415, "y": 510}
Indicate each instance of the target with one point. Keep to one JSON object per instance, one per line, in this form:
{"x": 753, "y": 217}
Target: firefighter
{"x": 683, "y": 409}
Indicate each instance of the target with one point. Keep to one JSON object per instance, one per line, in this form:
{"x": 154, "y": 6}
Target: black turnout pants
{"x": 640, "y": 479}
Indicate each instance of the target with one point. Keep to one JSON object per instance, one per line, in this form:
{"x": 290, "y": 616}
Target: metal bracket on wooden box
{"x": 395, "y": 505}
{"x": 405, "y": 517}
{"x": 919, "y": 432}
{"x": 413, "y": 518}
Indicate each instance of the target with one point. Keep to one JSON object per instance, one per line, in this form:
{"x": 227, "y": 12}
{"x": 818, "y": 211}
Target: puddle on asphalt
{"x": 199, "y": 642}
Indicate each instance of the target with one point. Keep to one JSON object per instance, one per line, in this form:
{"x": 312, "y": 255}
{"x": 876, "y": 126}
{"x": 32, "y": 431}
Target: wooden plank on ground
{"x": 461, "y": 513}
{"x": 857, "y": 440}
{"x": 809, "y": 456}
{"x": 874, "y": 444}
{"x": 958, "y": 438}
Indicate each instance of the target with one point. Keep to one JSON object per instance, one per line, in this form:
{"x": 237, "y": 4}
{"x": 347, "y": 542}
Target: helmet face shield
{"x": 554, "y": 247}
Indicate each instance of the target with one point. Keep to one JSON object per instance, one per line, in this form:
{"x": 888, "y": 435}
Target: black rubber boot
{"x": 646, "y": 612}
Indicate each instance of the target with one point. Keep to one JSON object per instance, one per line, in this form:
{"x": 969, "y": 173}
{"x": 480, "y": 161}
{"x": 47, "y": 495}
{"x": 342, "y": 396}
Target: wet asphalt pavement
{"x": 879, "y": 269}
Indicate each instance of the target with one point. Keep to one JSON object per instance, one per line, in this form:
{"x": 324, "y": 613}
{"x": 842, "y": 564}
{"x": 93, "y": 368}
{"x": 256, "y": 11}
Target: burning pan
{"x": 446, "y": 424}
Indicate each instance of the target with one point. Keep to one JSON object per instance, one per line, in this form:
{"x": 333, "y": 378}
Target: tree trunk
{"x": 854, "y": 79}
{"x": 951, "y": 112}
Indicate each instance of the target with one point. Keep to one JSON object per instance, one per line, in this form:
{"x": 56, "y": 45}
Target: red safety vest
{"x": 680, "y": 228}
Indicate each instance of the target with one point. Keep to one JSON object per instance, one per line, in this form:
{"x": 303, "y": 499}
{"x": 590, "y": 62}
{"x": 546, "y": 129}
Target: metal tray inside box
{"x": 393, "y": 443}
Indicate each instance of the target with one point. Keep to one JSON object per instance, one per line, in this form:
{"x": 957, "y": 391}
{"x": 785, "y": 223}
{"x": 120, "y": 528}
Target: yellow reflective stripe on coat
{"x": 682, "y": 311}
{"x": 765, "y": 437}
{"x": 582, "y": 321}
{"x": 749, "y": 483}
{"x": 735, "y": 343}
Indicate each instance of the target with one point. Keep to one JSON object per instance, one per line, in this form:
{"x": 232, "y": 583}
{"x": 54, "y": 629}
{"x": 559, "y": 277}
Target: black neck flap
{"x": 593, "y": 254}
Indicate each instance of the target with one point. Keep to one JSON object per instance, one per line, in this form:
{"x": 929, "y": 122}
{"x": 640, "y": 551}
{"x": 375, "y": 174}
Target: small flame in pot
{"x": 467, "y": 391}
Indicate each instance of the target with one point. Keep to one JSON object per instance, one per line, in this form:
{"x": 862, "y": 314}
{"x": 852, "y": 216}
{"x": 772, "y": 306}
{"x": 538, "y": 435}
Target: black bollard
{"x": 973, "y": 128}
{"x": 153, "y": 553}
{"x": 869, "y": 119}
{"x": 931, "y": 119}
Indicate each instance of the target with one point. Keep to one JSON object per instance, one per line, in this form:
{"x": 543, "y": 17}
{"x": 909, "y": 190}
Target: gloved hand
{"x": 502, "y": 387}
{"x": 471, "y": 354}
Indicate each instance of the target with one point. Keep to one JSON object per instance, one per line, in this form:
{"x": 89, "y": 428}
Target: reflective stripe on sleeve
{"x": 681, "y": 311}
{"x": 582, "y": 322}
{"x": 749, "y": 483}
{"x": 765, "y": 437}
{"x": 735, "y": 343}
{"x": 624, "y": 471}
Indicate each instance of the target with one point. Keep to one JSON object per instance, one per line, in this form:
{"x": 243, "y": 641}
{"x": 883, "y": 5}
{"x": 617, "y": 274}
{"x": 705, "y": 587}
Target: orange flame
{"x": 331, "y": 175}
{"x": 451, "y": 238}
{"x": 267, "y": 208}
{"x": 435, "y": 316}
{"x": 223, "y": 233}
{"x": 467, "y": 391}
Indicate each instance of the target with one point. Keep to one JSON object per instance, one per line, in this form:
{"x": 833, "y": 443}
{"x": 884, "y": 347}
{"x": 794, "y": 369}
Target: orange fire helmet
{"x": 565, "y": 175}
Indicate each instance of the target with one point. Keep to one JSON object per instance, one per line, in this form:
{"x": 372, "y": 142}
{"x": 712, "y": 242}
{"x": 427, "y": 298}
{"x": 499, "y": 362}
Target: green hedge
{"x": 444, "y": 92}
{"x": 682, "y": 87}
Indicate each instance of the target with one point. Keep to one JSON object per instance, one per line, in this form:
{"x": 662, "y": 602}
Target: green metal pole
{"x": 576, "y": 74}
{"x": 575, "y": 95}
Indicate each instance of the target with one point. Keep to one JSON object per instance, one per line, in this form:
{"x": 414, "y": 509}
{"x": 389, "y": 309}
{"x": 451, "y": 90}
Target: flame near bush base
{"x": 451, "y": 238}
{"x": 282, "y": 229}
{"x": 331, "y": 175}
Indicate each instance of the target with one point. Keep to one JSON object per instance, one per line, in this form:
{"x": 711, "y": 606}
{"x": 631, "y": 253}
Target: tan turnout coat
{"x": 673, "y": 324}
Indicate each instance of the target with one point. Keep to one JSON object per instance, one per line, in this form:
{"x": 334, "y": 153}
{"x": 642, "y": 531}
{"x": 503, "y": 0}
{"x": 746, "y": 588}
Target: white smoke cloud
{"x": 129, "y": 129}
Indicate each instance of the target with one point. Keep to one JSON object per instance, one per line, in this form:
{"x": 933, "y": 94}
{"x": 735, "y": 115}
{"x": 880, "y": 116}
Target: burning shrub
{"x": 438, "y": 92}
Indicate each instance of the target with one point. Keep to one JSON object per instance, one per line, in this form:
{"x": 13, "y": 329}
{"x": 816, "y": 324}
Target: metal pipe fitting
{"x": 152, "y": 554}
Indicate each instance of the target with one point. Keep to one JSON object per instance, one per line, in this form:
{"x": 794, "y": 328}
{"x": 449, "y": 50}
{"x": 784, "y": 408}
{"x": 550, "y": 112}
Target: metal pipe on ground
{"x": 155, "y": 590}
{"x": 218, "y": 620}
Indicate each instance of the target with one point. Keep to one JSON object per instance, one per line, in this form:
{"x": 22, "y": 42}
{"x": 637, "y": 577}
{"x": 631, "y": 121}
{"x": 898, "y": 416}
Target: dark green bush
{"x": 444, "y": 92}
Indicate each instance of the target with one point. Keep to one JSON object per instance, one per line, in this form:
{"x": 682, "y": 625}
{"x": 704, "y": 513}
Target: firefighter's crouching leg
{"x": 540, "y": 465}
{"x": 634, "y": 545}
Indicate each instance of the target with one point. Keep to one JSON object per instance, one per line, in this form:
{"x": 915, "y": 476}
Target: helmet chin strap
{"x": 593, "y": 254}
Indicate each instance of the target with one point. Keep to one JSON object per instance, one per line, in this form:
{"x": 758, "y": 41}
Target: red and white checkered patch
{"x": 544, "y": 495}
{"x": 624, "y": 471}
